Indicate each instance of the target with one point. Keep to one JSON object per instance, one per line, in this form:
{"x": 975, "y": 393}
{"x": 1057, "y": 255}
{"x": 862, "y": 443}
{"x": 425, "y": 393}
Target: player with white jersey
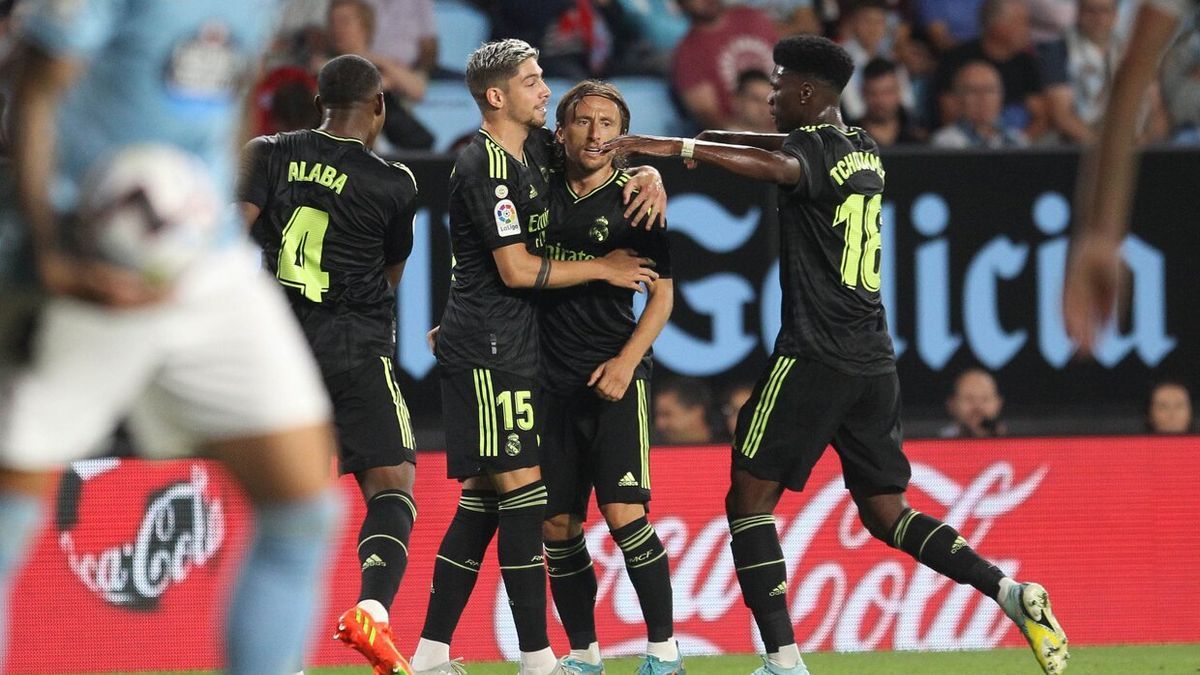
{"x": 204, "y": 360}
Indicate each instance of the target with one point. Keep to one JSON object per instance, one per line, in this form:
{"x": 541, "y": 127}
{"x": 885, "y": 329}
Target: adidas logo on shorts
{"x": 627, "y": 480}
{"x": 374, "y": 561}
{"x": 781, "y": 589}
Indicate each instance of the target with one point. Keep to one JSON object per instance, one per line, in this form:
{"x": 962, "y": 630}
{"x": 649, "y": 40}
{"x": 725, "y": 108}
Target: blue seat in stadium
{"x": 448, "y": 111}
{"x": 461, "y": 28}
{"x": 649, "y": 100}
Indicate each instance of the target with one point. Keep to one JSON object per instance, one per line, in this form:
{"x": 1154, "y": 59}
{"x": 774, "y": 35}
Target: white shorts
{"x": 222, "y": 359}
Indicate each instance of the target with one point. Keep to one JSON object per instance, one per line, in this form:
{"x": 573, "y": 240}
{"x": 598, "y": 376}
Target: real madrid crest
{"x": 599, "y": 231}
{"x": 513, "y": 445}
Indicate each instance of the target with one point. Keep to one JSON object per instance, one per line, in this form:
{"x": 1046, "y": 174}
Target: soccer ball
{"x": 152, "y": 209}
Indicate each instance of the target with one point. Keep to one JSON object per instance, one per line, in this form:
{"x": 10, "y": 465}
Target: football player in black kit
{"x": 832, "y": 378}
{"x": 487, "y": 350}
{"x": 595, "y": 371}
{"x": 335, "y": 224}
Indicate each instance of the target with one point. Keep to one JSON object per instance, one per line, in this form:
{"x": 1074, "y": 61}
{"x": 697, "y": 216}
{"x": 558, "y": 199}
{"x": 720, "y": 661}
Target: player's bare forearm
{"x": 752, "y": 139}
{"x": 521, "y": 269}
{"x": 40, "y": 83}
{"x": 775, "y": 167}
{"x": 393, "y": 274}
{"x": 654, "y": 318}
{"x": 1107, "y": 174}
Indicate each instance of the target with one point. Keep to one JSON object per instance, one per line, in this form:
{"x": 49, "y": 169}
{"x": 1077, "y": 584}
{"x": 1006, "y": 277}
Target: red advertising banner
{"x": 136, "y": 556}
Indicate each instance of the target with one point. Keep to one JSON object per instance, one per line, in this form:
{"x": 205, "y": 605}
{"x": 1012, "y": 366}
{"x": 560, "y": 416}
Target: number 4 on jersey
{"x": 860, "y": 258}
{"x": 300, "y": 255}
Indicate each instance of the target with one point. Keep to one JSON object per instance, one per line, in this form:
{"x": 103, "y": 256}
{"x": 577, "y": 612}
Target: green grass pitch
{"x": 1142, "y": 660}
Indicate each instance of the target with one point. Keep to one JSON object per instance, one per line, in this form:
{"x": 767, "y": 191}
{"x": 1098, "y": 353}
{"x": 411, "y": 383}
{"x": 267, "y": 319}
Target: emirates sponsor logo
{"x": 849, "y": 592}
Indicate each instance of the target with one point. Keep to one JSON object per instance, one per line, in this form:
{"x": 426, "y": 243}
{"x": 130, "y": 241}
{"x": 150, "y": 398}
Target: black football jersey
{"x": 829, "y": 269}
{"x": 586, "y": 325}
{"x": 496, "y": 200}
{"x": 334, "y": 216}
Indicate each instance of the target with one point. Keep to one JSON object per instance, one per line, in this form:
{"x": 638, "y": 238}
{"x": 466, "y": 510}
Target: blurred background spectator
{"x": 1169, "y": 409}
{"x": 645, "y": 33}
{"x": 978, "y": 98}
{"x": 1004, "y": 42}
{"x": 1181, "y": 86}
{"x": 352, "y": 28}
{"x": 884, "y": 116}
{"x": 948, "y": 23}
{"x": 574, "y": 40}
{"x": 681, "y": 411}
{"x": 867, "y": 35}
{"x": 750, "y": 109}
{"x": 791, "y": 17}
{"x": 721, "y": 43}
{"x": 731, "y": 404}
{"x": 975, "y": 407}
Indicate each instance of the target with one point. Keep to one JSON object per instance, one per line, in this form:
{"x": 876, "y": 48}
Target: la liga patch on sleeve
{"x": 507, "y": 223}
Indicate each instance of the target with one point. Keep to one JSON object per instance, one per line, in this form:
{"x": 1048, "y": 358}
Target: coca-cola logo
{"x": 846, "y": 591}
{"x": 181, "y": 527}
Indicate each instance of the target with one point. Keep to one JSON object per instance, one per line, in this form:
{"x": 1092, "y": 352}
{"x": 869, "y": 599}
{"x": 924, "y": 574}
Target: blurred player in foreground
{"x": 596, "y": 372}
{"x": 1108, "y": 173}
{"x": 210, "y": 362}
{"x": 335, "y": 223}
{"x": 832, "y": 378}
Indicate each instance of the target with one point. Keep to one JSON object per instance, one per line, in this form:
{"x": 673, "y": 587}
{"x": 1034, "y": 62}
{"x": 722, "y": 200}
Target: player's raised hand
{"x": 611, "y": 379}
{"x": 646, "y": 198}
{"x": 1090, "y": 289}
{"x": 625, "y": 269}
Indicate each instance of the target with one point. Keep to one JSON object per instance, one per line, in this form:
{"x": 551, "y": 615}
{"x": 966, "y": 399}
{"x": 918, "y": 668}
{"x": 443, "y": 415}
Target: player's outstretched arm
{"x": 774, "y": 167}
{"x": 611, "y": 379}
{"x": 1106, "y": 181}
{"x": 41, "y": 82}
{"x": 622, "y": 268}
{"x": 771, "y": 142}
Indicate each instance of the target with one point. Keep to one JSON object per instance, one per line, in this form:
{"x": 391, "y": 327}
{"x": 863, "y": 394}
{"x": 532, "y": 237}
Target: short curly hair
{"x": 818, "y": 57}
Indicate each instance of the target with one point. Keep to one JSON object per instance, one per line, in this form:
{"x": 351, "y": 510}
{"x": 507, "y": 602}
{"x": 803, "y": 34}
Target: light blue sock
{"x": 20, "y": 516}
{"x": 271, "y": 612}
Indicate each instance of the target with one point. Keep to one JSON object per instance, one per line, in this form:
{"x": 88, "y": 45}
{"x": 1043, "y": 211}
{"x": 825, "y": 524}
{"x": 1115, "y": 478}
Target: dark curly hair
{"x": 817, "y": 57}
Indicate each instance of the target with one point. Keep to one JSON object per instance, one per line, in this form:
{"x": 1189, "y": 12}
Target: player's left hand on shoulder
{"x": 611, "y": 379}
{"x": 646, "y": 199}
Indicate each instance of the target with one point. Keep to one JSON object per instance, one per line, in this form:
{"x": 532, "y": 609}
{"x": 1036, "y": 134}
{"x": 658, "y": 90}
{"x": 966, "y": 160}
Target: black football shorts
{"x": 371, "y": 418}
{"x": 491, "y": 422}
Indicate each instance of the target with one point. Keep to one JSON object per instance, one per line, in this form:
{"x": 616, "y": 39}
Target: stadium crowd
{"x": 954, "y": 74}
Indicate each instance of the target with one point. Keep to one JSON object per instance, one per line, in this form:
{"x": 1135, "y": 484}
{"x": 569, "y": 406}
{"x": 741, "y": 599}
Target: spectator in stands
{"x": 645, "y": 34}
{"x": 1004, "y": 42}
{"x": 681, "y": 409}
{"x": 1181, "y": 87}
{"x": 948, "y": 23}
{"x": 751, "y": 112}
{"x": 720, "y": 44}
{"x": 867, "y": 37}
{"x": 885, "y": 118}
{"x": 979, "y": 95}
{"x": 283, "y": 101}
{"x": 916, "y": 54}
{"x": 1169, "y": 409}
{"x": 975, "y": 407}
{"x": 1093, "y": 52}
{"x": 406, "y": 33}
{"x": 1049, "y": 21}
{"x": 351, "y": 31}
{"x": 791, "y": 17}
{"x": 735, "y": 397}
{"x": 571, "y": 34}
